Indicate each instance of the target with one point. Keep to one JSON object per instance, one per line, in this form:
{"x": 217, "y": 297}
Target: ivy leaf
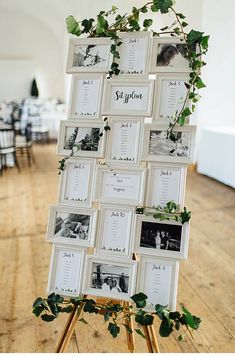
{"x": 67, "y": 309}
{"x": 83, "y": 321}
{"x": 38, "y": 310}
{"x": 134, "y": 24}
{"x": 199, "y": 83}
{"x": 128, "y": 329}
{"x": 144, "y": 9}
{"x": 173, "y": 315}
{"x": 166, "y": 327}
{"x": 73, "y": 26}
{"x": 184, "y": 24}
{"x": 106, "y": 316}
{"x": 185, "y": 216}
{"x": 87, "y": 25}
{"x": 181, "y": 16}
{"x": 48, "y": 318}
{"x": 90, "y": 307}
{"x": 194, "y": 37}
{"x": 154, "y": 8}
{"x": 164, "y": 5}
{"x": 139, "y": 332}
{"x": 139, "y": 299}
{"x": 143, "y": 319}
{"x": 102, "y": 25}
{"x": 147, "y": 23}
{"x": 204, "y": 42}
{"x": 39, "y": 301}
{"x": 160, "y": 310}
{"x": 113, "y": 329}
{"x": 180, "y": 338}
{"x": 191, "y": 320}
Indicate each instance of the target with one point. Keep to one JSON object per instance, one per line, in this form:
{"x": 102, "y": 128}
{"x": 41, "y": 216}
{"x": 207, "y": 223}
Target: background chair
{"x": 8, "y": 149}
{"x": 24, "y": 144}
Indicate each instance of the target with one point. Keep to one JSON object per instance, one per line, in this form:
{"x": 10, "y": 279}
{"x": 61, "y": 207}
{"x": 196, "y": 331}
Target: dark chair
{"x": 24, "y": 144}
{"x": 7, "y": 147}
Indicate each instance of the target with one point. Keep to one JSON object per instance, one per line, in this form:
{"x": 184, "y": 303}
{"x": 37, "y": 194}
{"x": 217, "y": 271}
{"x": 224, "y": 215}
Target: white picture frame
{"x": 66, "y": 270}
{"x": 114, "y": 233}
{"x": 166, "y": 182}
{"x": 130, "y": 98}
{"x": 170, "y": 94}
{"x": 113, "y": 186}
{"x": 72, "y": 225}
{"x": 157, "y": 147}
{"x": 160, "y": 287}
{"x": 89, "y": 55}
{"x": 167, "y": 55}
{"x": 123, "y": 146}
{"x": 115, "y": 269}
{"x": 169, "y": 239}
{"x": 85, "y": 96}
{"x": 85, "y": 133}
{"x": 134, "y": 54}
{"x": 70, "y": 191}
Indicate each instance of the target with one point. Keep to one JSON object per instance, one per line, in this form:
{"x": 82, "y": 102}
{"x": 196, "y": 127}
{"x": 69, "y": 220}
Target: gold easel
{"x": 68, "y": 331}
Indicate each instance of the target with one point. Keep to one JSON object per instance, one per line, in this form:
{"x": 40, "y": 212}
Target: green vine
{"x": 196, "y": 45}
{"x": 117, "y": 315}
{"x": 166, "y": 213}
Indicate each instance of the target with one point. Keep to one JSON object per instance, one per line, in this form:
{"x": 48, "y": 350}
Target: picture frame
{"x": 89, "y": 55}
{"x": 168, "y": 55}
{"x": 169, "y": 239}
{"x": 123, "y": 145}
{"x": 161, "y": 285}
{"x": 72, "y": 225}
{"x": 166, "y": 182}
{"x": 157, "y": 147}
{"x": 114, "y": 233}
{"x": 66, "y": 270}
{"x": 125, "y": 97}
{"x": 120, "y": 273}
{"x": 134, "y": 54}
{"x": 83, "y": 133}
{"x": 85, "y": 96}
{"x": 70, "y": 191}
{"x": 121, "y": 185}
{"x": 170, "y": 93}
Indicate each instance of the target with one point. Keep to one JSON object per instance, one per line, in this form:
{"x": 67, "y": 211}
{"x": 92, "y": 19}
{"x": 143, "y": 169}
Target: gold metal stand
{"x": 69, "y": 328}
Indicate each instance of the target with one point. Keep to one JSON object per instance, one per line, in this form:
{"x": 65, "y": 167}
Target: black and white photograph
{"x": 70, "y": 225}
{"x": 109, "y": 278}
{"x": 86, "y": 138}
{"x": 161, "y": 238}
{"x": 172, "y": 54}
{"x": 159, "y": 144}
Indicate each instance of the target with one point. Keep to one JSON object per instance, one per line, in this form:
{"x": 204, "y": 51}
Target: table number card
{"x": 120, "y": 186}
{"x": 124, "y": 139}
{"x": 86, "y": 92}
{"x": 166, "y": 182}
{"x": 66, "y": 270}
{"x": 128, "y": 98}
{"x": 115, "y": 230}
{"x": 170, "y": 93}
{"x": 77, "y": 182}
{"x": 161, "y": 283}
{"x": 134, "y": 54}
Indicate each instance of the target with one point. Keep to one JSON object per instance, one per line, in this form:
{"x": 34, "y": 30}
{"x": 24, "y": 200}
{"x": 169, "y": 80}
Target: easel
{"x": 69, "y": 328}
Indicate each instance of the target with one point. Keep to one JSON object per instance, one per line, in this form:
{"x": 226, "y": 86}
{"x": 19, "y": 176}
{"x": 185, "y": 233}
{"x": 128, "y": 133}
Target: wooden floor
{"x": 206, "y": 283}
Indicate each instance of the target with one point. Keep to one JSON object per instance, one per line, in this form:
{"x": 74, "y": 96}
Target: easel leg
{"x": 151, "y": 339}
{"x": 68, "y": 330}
{"x": 129, "y": 336}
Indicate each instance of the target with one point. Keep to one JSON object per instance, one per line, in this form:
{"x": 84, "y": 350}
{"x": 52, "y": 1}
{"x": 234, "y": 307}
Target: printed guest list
{"x": 116, "y": 231}
{"x": 67, "y": 271}
{"x": 157, "y": 285}
{"x": 173, "y": 93}
{"x": 87, "y": 97}
{"x": 125, "y": 137}
{"x": 166, "y": 187}
{"x": 120, "y": 186}
{"x": 77, "y": 182}
{"x": 133, "y": 53}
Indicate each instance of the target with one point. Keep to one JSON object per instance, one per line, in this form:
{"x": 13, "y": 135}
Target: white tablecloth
{"x": 216, "y": 154}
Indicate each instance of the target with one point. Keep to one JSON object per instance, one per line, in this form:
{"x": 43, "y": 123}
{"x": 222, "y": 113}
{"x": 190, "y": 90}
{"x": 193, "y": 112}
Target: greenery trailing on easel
{"x": 110, "y": 23}
{"x": 116, "y": 315}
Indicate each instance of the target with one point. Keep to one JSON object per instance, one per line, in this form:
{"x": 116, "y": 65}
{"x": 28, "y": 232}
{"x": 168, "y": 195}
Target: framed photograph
{"x": 110, "y": 278}
{"x": 157, "y": 147}
{"x": 88, "y": 55}
{"x": 128, "y": 98}
{"x": 134, "y": 54}
{"x": 70, "y": 225}
{"x": 121, "y": 185}
{"x": 170, "y": 94}
{"x": 76, "y": 182}
{"x": 123, "y": 140}
{"x": 169, "y": 54}
{"x": 166, "y": 182}
{"x": 161, "y": 283}
{"x": 85, "y": 96}
{"x": 114, "y": 236}
{"x": 84, "y": 134}
{"x": 167, "y": 239}
{"x": 66, "y": 270}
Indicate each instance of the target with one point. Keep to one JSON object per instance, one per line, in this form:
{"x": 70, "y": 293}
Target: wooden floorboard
{"x": 206, "y": 282}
